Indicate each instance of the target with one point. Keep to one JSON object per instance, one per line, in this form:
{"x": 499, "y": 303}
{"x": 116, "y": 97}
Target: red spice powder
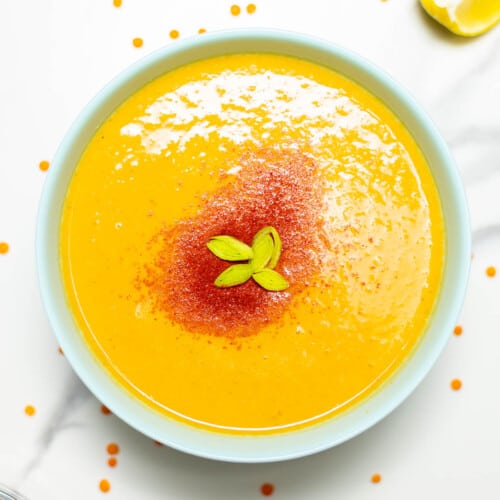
{"x": 279, "y": 188}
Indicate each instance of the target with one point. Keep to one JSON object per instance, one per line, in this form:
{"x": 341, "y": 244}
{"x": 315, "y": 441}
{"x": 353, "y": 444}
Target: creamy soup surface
{"x": 227, "y": 146}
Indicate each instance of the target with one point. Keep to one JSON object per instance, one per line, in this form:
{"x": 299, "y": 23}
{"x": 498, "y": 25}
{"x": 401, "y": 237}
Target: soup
{"x": 191, "y": 168}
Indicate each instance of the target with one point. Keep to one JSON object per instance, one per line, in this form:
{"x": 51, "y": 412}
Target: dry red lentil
{"x": 105, "y": 410}
{"x": 137, "y": 42}
{"x": 113, "y": 449}
{"x": 44, "y": 165}
{"x": 267, "y": 489}
{"x": 491, "y": 271}
{"x": 30, "y": 410}
{"x": 104, "y": 485}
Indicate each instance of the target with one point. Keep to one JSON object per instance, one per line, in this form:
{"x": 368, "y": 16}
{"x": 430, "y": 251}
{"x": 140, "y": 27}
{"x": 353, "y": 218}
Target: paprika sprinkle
{"x": 273, "y": 187}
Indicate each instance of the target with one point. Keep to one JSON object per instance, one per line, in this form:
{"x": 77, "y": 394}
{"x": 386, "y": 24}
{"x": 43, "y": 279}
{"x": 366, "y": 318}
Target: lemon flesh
{"x": 464, "y": 17}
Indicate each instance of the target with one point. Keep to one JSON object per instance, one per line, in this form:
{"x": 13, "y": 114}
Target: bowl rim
{"x": 313, "y": 438}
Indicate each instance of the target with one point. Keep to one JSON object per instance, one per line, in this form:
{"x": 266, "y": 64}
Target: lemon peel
{"x": 464, "y": 17}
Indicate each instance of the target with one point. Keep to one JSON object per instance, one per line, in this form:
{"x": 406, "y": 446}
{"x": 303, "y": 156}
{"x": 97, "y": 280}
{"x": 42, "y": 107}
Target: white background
{"x": 55, "y": 55}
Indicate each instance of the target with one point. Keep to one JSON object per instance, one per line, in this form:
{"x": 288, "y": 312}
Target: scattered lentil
{"x": 105, "y": 410}
{"x": 104, "y": 485}
{"x": 491, "y": 271}
{"x": 137, "y": 42}
{"x": 44, "y": 165}
{"x": 113, "y": 449}
{"x": 267, "y": 489}
{"x": 30, "y": 410}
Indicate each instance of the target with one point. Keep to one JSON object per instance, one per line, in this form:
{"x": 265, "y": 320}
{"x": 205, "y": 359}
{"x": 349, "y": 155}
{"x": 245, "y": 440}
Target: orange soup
{"x": 228, "y": 147}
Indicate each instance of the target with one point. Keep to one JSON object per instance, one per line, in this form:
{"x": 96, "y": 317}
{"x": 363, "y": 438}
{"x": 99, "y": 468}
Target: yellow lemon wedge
{"x": 464, "y": 17}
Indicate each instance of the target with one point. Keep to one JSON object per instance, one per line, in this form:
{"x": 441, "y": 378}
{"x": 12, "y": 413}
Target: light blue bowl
{"x": 316, "y": 437}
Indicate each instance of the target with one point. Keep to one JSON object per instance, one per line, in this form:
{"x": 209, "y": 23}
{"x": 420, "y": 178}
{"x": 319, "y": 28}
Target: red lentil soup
{"x": 228, "y": 146}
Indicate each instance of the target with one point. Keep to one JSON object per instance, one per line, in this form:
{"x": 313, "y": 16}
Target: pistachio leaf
{"x": 229, "y": 248}
{"x": 271, "y": 280}
{"x": 263, "y": 248}
{"x": 277, "y": 244}
{"x": 237, "y": 274}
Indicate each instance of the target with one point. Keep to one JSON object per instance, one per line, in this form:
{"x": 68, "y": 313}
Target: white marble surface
{"x": 439, "y": 444}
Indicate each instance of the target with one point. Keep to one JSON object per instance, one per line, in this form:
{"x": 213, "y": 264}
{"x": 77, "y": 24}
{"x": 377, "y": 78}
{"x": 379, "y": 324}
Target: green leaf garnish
{"x": 229, "y": 248}
{"x": 269, "y": 230}
{"x": 271, "y": 280}
{"x": 237, "y": 274}
{"x": 262, "y": 259}
{"x": 263, "y": 248}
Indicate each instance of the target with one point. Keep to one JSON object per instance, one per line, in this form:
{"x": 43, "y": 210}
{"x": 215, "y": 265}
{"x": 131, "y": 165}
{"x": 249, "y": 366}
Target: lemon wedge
{"x": 464, "y": 17}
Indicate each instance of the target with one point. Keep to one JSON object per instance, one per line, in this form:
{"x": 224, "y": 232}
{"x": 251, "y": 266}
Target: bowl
{"x": 328, "y": 433}
{"x": 8, "y": 494}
